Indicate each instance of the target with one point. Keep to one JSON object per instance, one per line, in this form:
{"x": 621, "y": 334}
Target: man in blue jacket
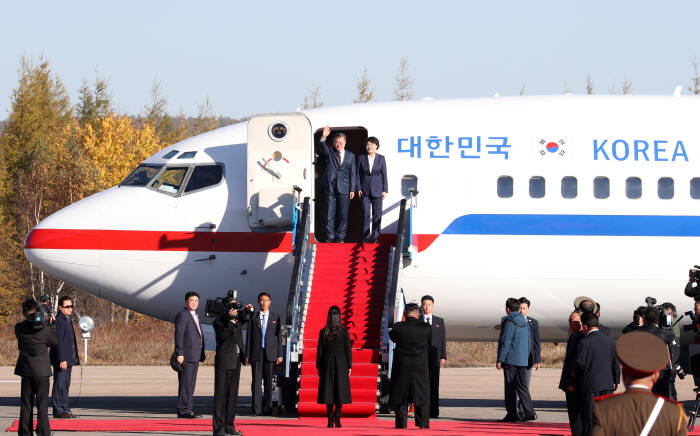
{"x": 64, "y": 356}
{"x": 339, "y": 183}
{"x": 513, "y": 352}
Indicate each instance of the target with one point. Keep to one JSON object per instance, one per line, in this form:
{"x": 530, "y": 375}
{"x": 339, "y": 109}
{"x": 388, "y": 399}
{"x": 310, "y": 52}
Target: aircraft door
{"x": 279, "y": 158}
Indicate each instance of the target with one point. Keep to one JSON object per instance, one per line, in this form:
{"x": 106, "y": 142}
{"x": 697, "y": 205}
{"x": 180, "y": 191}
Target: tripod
{"x": 694, "y": 411}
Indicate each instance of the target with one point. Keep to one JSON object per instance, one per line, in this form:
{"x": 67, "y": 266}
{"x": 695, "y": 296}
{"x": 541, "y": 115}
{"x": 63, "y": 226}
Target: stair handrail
{"x": 296, "y": 298}
{"x": 400, "y": 247}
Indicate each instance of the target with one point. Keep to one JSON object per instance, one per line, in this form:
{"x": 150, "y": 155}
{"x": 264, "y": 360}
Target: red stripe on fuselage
{"x": 153, "y": 240}
{"x": 146, "y": 240}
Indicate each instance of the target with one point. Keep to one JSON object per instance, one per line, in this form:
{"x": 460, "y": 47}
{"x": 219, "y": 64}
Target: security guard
{"x": 638, "y": 411}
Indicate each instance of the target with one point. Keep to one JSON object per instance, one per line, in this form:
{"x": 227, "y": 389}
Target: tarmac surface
{"x": 466, "y": 394}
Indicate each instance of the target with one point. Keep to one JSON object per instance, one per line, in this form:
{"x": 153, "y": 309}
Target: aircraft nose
{"x": 65, "y": 245}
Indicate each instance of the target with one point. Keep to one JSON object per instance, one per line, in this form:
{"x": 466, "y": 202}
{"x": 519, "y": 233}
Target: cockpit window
{"x": 187, "y": 155}
{"x": 141, "y": 175}
{"x": 171, "y": 154}
{"x": 204, "y": 176}
{"x": 171, "y": 180}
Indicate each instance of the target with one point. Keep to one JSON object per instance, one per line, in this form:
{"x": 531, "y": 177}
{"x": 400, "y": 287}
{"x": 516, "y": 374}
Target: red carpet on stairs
{"x": 352, "y": 277}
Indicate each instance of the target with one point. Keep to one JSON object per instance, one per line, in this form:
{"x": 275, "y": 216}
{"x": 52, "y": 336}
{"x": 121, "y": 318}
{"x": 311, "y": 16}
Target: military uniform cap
{"x": 641, "y": 353}
{"x": 579, "y": 300}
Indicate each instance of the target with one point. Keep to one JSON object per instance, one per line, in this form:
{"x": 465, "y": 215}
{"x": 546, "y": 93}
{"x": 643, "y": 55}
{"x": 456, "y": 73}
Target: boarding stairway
{"x": 364, "y": 281}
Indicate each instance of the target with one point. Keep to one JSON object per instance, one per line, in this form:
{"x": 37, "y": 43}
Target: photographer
{"x": 34, "y": 366}
{"x": 229, "y": 358}
{"x": 637, "y": 320}
{"x": 665, "y": 385}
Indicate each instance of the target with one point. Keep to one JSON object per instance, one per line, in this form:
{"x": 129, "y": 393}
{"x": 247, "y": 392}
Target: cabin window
{"x": 171, "y": 154}
{"x": 187, "y": 155}
{"x": 633, "y": 187}
{"x": 204, "y": 176}
{"x": 504, "y": 186}
{"x": 537, "y": 187}
{"x": 569, "y": 187}
{"x": 695, "y": 188}
{"x": 141, "y": 175}
{"x": 665, "y": 188}
{"x": 601, "y": 187}
{"x": 171, "y": 180}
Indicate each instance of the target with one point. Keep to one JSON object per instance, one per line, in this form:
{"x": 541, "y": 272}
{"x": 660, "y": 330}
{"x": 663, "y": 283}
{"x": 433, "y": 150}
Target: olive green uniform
{"x": 627, "y": 414}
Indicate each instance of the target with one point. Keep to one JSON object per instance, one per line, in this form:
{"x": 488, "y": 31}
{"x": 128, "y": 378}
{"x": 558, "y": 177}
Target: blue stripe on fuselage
{"x": 575, "y": 225}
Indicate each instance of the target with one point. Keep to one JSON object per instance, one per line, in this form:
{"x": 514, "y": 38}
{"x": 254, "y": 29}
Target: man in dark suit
{"x": 437, "y": 352}
{"x": 339, "y": 183}
{"x": 263, "y": 349}
{"x": 189, "y": 346}
{"x": 230, "y": 356}
{"x": 666, "y": 384}
{"x": 34, "y": 366}
{"x": 63, "y": 357}
{"x": 596, "y": 368}
{"x": 373, "y": 186}
{"x": 534, "y": 358}
{"x": 409, "y": 373}
{"x": 567, "y": 380}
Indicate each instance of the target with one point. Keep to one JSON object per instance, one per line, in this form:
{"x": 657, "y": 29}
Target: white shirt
{"x": 342, "y": 156}
{"x": 371, "y": 161}
{"x": 428, "y": 319}
{"x": 196, "y": 321}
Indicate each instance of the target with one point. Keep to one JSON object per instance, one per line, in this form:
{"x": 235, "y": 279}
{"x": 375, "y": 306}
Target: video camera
{"x": 692, "y": 289}
{"x": 665, "y": 316}
{"x": 42, "y": 316}
{"x": 223, "y": 305}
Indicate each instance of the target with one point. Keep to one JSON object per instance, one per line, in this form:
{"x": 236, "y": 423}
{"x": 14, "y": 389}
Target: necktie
{"x": 340, "y": 159}
{"x": 264, "y": 328}
{"x": 196, "y": 321}
{"x": 427, "y": 320}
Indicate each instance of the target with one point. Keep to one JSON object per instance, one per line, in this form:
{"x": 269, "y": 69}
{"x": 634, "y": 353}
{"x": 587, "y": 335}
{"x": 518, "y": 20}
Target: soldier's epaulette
{"x": 603, "y": 397}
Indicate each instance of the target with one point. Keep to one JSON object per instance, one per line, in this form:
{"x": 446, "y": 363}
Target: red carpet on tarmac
{"x": 309, "y": 426}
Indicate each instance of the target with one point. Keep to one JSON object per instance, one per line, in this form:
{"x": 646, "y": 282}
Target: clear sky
{"x": 262, "y": 56}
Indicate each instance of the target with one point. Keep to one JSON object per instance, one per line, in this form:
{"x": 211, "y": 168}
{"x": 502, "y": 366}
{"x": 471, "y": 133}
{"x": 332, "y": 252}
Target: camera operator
{"x": 34, "y": 366}
{"x": 666, "y": 384}
{"x": 670, "y": 308}
{"x": 230, "y": 356}
{"x": 637, "y": 320}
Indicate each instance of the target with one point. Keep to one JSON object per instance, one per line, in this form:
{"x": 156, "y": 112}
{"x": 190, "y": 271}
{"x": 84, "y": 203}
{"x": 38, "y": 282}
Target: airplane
{"x": 547, "y": 197}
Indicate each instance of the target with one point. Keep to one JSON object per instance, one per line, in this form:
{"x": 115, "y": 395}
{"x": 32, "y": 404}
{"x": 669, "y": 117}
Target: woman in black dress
{"x": 334, "y": 363}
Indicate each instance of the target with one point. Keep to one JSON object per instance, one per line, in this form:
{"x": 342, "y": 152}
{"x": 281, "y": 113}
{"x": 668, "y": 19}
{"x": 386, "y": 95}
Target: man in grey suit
{"x": 263, "y": 349}
{"x": 339, "y": 182}
{"x": 189, "y": 346}
{"x": 34, "y": 366}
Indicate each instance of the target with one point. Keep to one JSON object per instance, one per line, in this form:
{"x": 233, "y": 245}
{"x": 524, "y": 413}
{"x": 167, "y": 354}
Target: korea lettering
{"x": 656, "y": 150}
{"x": 469, "y": 147}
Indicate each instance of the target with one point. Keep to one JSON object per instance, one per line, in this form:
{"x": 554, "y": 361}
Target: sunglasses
{"x": 67, "y": 307}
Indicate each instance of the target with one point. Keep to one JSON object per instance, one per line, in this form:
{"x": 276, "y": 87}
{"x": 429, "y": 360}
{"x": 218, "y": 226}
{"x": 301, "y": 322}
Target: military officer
{"x": 638, "y": 410}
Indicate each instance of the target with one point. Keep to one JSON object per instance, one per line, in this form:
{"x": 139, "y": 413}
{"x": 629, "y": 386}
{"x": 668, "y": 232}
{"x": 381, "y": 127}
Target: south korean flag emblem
{"x": 552, "y": 147}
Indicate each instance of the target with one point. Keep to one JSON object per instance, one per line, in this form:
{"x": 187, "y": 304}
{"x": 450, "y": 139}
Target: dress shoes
{"x": 234, "y": 433}
{"x": 63, "y": 415}
{"x": 529, "y": 418}
{"x": 188, "y": 415}
{"x": 509, "y": 418}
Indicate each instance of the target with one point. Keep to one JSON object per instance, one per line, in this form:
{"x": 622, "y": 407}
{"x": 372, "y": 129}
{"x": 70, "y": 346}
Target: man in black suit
{"x": 534, "y": 357}
{"x": 373, "y": 186}
{"x": 596, "y": 368}
{"x": 230, "y": 356}
{"x": 189, "y": 346}
{"x": 409, "y": 373}
{"x": 63, "y": 357}
{"x": 437, "y": 352}
{"x": 339, "y": 183}
{"x": 666, "y": 384}
{"x": 263, "y": 349}
{"x": 34, "y": 366}
{"x": 567, "y": 380}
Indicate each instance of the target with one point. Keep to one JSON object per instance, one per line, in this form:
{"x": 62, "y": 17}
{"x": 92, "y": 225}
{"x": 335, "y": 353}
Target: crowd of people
{"x": 644, "y": 358}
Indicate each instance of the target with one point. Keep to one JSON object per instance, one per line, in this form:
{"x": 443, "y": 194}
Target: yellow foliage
{"x": 115, "y": 148}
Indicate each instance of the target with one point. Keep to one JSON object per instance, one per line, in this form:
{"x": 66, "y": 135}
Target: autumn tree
{"x": 403, "y": 88}
{"x": 694, "y": 87}
{"x": 312, "y": 100}
{"x": 94, "y": 102}
{"x": 589, "y": 84}
{"x": 365, "y": 91}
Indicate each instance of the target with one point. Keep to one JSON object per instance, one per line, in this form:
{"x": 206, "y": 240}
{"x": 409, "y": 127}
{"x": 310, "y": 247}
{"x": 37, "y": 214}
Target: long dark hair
{"x": 333, "y": 324}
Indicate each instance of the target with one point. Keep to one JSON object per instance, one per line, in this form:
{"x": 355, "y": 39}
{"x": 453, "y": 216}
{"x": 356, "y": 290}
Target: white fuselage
{"x": 144, "y": 249}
